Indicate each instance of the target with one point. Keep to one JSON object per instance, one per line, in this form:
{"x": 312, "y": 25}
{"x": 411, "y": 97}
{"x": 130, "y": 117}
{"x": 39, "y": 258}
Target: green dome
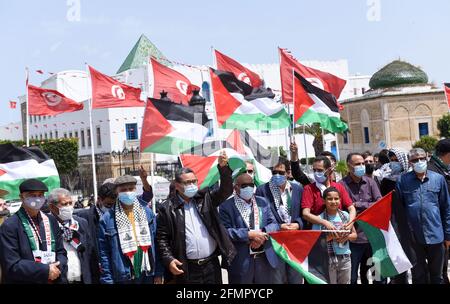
{"x": 397, "y": 73}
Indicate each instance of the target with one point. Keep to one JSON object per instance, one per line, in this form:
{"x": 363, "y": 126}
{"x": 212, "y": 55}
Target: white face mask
{"x": 65, "y": 213}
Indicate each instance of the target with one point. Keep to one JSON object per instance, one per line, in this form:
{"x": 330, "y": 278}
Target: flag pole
{"x": 94, "y": 173}
{"x": 27, "y": 109}
{"x": 152, "y": 155}
{"x": 304, "y": 143}
{"x": 213, "y": 101}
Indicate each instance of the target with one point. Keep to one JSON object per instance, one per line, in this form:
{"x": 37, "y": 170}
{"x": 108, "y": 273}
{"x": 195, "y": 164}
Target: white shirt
{"x": 73, "y": 263}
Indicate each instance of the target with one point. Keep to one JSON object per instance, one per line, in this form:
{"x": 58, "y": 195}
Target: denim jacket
{"x": 115, "y": 266}
{"x": 427, "y": 206}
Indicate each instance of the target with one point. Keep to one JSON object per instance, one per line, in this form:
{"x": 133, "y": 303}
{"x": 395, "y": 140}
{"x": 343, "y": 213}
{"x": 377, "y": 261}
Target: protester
{"x": 369, "y": 162}
{"x": 297, "y": 172}
{"x": 284, "y": 200}
{"x": 440, "y": 163}
{"x": 4, "y": 212}
{"x": 190, "y": 234}
{"x": 397, "y": 166}
{"x": 425, "y": 196}
{"x": 337, "y": 243}
{"x": 364, "y": 192}
{"x": 248, "y": 219}
{"x": 382, "y": 167}
{"x": 31, "y": 244}
{"x": 335, "y": 176}
{"x": 312, "y": 201}
{"x": 127, "y": 239}
{"x": 77, "y": 241}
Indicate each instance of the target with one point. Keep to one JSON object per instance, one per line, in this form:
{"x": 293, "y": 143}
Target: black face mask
{"x": 369, "y": 169}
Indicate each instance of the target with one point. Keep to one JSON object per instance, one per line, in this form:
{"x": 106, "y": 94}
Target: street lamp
{"x": 115, "y": 154}
{"x": 124, "y": 154}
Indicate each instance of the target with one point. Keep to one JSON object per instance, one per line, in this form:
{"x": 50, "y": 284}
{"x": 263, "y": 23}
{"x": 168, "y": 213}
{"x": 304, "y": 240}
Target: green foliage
{"x": 341, "y": 167}
{"x": 427, "y": 143}
{"x": 282, "y": 152}
{"x": 63, "y": 151}
{"x": 310, "y": 161}
{"x": 443, "y": 125}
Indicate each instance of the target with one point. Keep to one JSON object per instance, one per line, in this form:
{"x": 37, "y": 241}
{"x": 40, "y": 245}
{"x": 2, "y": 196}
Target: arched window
{"x": 206, "y": 91}
{"x": 365, "y": 126}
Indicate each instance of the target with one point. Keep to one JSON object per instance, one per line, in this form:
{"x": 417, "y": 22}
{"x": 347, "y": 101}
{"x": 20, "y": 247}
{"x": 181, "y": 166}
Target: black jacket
{"x": 92, "y": 217}
{"x": 435, "y": 166}
{"x": 18, "y": 265}
{"x": 298, "y": 174}
{"x": 170, "y": 235}
{"x": 85, "y": 250}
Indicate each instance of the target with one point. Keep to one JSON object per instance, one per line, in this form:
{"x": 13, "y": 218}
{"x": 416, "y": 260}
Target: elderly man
{"x": 190, "y": 234}
{"x": 76, "y": 239}
{"x": 127, "y": 239}
{"x": 31, "y": 245}
{"x": 284, "y": 200}
{"x": 248, "y": 219}
{"x": 425, "y": 196}
{"x": 364, "y": 192}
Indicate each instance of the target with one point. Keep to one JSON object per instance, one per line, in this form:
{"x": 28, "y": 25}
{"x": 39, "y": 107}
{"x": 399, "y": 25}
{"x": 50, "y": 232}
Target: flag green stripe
{"x": 330, "y": 123}
{"x": 282, "y": 253}
{"x": 379, "y": 250}
{"x": 235, "y": 163}
{"x": 12, "y": 186}
{"x": 171, "y": 145}
{"x": 258, "y": 121}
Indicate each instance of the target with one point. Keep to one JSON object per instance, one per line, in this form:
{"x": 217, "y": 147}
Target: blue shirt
{"x": 339, "y": 248}
{"x": 427, "y": 206}
{"x": 199, "y": 243}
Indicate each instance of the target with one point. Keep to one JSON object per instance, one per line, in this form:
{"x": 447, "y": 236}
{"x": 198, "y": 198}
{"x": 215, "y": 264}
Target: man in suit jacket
{"x": 284, "y": 199}
{"x": 248, "y": 219}
{"x": 31, "y": 246}
{"x": 76, "y": 237}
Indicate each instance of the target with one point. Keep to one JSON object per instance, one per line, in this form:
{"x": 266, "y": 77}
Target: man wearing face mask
{"x": 31, "y": 245}
{"x": 126, "y": 239}
{"x": 424, "y": 194}
{"x": 76, "y": 239}
{"x": 440, "y": 163}
{"x": 190, "y": 234}
{"x": 284, "y": 200}
{"x": 248, "y": 219}
{"x": 364, "y": 192}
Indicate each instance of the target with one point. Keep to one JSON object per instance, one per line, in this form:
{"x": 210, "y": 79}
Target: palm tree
{"x": 316, "y": 131}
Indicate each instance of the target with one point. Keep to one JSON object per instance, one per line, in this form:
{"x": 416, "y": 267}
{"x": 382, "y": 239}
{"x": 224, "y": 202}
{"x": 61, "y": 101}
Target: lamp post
{"x": 115, "y": 154}
{"x": 132, "y": 150}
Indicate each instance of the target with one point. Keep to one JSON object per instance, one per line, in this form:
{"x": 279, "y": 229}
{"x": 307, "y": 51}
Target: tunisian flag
{"x": 50, "y": 102}
{"x": 225, "y": 63}
{"x": 178, "y": 87}
{"x": 110, "y": 93}
{"x": 323, "y": 80}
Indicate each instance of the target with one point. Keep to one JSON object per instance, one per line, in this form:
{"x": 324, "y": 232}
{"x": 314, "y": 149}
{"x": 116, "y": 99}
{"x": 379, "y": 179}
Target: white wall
{"x": 11, "y": 131}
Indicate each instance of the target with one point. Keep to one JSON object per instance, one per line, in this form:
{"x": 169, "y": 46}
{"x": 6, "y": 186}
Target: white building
{"x": 11, "y": 131}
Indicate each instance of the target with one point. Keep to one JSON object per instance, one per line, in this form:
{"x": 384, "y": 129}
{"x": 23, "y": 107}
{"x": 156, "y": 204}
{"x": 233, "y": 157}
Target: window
{"x": 131, "y": 131}
{"x": 40, "y": 136}
{"x": 99, "y": 137}
{"x": 89, "y": 137}
{"x": 45, "y": 136}
{"x": 51, "y": 135}
{"x": 423, "y": 129}
{"x": 366, "y": 135}
{"x": 76, "y": 134}
{"x": 355, "y": 91}
{"x": 56, "y": 134}
{"x": 39, "y": 118}
{"x": 345, "y": 135}
{"x": 70, "y": 134}
{"x": 65, "y": 135}
{"x": 83, "y": 142}
{"x": 363, "y": 90}
{"x": 205, "y": 91}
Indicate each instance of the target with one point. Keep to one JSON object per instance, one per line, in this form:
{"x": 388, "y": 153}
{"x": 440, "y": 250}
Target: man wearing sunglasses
{"x": 190, "y": 235}
{"x": 284, "y": 199}
{"x": 426, "y": 199}
{"x": 248, "y": 219}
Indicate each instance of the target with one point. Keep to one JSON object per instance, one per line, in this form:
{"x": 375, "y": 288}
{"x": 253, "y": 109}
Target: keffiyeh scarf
{"x": 282, "y": 209}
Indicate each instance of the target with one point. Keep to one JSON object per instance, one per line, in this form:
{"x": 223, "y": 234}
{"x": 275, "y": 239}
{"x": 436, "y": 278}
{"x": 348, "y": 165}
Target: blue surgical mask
{"x": 360, "y": 171}
{"x": 190, "y": 190}
{"x": 420, "y": 166}
{"x": 35, "y": 203}
{"x": 320, "y": 177}
{"x": 127, "y": 198}
{"x": 396, "y": 167}
{"x": 278, "y": 179}
{"x": 246, "y": 193}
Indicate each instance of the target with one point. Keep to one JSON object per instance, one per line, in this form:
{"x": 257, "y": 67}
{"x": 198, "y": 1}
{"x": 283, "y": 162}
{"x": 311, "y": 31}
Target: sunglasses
{"x": 247, "y": 185}
{"x": 417, "y": 159}
{"x": 189, "y": 182}
{"x": 278, "y": 172}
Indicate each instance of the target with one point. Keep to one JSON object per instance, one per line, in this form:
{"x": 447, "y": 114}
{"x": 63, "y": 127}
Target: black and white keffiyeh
{"x": 246, "y": 209}
{"x": 282, "y": 208}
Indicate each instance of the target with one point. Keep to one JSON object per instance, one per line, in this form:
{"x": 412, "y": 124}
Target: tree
{"x": 427, "y": 143}
{"x": 443, "y": 125}
{"x": 316, "y": 131}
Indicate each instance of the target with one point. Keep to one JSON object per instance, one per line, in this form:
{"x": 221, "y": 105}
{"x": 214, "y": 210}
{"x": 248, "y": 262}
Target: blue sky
{"x": 39, "y": 35}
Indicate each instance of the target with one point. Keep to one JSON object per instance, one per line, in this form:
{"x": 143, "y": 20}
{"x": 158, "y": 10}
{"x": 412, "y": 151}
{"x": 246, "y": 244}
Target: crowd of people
{"x": 196, "y": 233}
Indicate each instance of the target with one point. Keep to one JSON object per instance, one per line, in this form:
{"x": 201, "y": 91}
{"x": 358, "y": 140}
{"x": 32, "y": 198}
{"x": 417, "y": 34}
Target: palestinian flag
{"x": 388, "y": 255}
{"x": 242, "y": 146}
{"x": 447, "y": 93}
{"x": 171, "y": 128}
{"x": 225, "y": 63}
{"x": 239, "y": 106}
{"x": 313, "y": 105}
{"x": 305, "y": 251}
{"x": 323, "y": 80}
{"x": 18, "y": 164}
